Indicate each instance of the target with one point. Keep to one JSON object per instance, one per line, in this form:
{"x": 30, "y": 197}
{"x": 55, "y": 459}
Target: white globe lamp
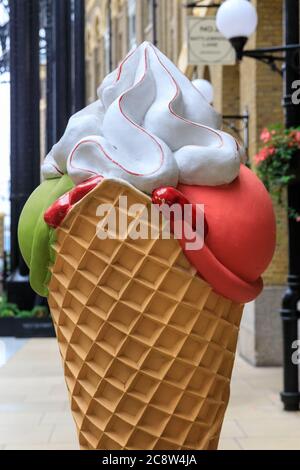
{"x": 237, "y": 20}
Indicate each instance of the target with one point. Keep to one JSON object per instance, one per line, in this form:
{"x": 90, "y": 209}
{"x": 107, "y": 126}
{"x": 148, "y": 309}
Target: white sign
{"x": 206, "y": 45}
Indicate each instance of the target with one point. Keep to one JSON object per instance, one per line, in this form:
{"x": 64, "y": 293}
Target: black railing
{"x": 238, "y": 125}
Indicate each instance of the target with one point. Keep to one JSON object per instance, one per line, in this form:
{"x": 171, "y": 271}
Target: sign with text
{"x": 206, "y": 45}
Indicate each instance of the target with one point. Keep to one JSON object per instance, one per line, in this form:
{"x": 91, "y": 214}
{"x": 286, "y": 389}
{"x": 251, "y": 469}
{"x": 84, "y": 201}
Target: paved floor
{"x": 34, "y": 411}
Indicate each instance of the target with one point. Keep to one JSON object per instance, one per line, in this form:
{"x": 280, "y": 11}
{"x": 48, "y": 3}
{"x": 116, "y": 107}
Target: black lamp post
{"x": 25, "y": 136}
{"x": 236, "y": 20}
{"x": 290, "y": 305}
{"x": 65, "y": 47}
{"x": 78, "y": 52}
{"x": 64, "y": 43}
{"x": 59, "y": 71}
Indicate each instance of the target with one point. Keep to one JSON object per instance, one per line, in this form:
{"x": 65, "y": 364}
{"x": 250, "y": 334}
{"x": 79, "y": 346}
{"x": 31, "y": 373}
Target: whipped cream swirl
{"x": 150, "y": 127}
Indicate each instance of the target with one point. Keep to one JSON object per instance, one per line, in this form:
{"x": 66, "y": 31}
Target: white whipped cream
{"x": 150, "y": 127}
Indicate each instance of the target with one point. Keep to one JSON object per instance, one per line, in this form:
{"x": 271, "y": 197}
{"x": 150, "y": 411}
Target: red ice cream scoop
{"x": 240, "y": 240}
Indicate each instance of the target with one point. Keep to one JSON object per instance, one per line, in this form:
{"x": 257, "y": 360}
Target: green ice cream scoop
{"x": 35, "y": 236}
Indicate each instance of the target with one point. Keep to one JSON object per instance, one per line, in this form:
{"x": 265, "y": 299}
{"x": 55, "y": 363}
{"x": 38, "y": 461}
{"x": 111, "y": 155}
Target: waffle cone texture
{"x": 147, "y": 346}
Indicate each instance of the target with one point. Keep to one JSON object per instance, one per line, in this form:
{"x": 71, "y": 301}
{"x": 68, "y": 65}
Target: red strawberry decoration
{"x": 56, "y": 213}
{"x": 77, "y": 193}
{"x": 170, "y": 195}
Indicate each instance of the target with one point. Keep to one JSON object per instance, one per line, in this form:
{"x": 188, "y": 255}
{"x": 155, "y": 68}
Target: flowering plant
{"x": 274, "y": 160}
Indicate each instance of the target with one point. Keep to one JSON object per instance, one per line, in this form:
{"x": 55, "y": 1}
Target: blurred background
{"x": 245, "y": 60}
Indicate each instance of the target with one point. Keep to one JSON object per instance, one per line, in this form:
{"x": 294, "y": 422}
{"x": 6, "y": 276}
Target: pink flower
{"x": 295, "y": 139}
{"x": 298, "y": 218}
{"x": 271, "y": 150}
{"x": 266, "y": 152}
{"x": 256, "y": 159}
{"x": 265, "y": 136}
{"x": 296, "y": 136}
{"x": 263, "y": 154}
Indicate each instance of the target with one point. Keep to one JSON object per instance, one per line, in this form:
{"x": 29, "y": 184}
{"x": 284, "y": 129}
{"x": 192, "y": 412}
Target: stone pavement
{"x": 34, "y": 411}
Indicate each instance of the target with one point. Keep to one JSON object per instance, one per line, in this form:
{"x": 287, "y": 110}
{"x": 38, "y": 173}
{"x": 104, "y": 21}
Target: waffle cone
{"x": 148, "y": 347}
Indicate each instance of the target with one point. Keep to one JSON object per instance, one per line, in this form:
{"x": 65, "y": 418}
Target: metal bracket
{"x": 269, "y": 56}
{"x": 199, "y": 4}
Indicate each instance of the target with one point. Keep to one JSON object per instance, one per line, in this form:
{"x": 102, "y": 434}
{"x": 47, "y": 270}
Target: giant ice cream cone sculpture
{"x": 147, "y": 346}
{"x": 147, "y": 328}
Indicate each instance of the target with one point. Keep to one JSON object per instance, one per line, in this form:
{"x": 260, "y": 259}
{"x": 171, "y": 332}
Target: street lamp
{"x": 237, "y": 20}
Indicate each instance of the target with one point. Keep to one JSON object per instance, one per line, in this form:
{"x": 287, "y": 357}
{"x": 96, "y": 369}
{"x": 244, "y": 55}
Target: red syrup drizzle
{"x": 170, "y": 195}
{"x": 56, "y": 213}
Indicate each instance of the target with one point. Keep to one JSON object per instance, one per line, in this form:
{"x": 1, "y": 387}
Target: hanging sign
{"x": 206, "y": 45}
